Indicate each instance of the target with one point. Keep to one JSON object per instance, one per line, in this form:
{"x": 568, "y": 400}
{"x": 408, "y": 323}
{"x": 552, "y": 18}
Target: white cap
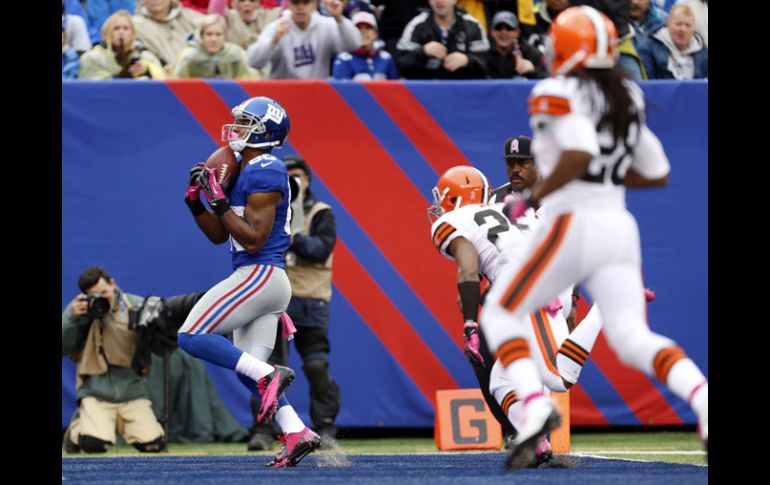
{"x": 364, "y": 18}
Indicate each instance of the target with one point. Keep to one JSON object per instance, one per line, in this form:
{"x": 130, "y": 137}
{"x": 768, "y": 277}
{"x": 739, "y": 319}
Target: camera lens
{"x": 98, "y": 306}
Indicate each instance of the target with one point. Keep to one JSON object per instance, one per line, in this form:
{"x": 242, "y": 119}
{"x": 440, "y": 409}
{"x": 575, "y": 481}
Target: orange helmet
{"x": 458, "y": 186}
{"x": 582, "y": 37}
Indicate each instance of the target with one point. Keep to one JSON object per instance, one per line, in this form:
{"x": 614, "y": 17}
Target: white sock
{"x": 683, "y": 377}
{"x": 574, "y": 351}
{"x": 516, "y": 414}
{"x": 288, "y": 420}
{"x": 252, "y": 367}
{"x": 524, "y": 377}
{"x": 586, "y": 332}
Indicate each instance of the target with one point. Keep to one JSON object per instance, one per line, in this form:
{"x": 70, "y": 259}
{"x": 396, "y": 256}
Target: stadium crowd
{"x": 363, "y": 39}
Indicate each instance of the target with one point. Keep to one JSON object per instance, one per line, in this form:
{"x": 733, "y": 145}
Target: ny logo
{"x": 273, "y": 113}
{"x": 303, "y": 55}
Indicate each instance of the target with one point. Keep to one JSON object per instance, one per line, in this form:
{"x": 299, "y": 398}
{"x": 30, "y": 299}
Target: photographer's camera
{"x": 98, "y": 306}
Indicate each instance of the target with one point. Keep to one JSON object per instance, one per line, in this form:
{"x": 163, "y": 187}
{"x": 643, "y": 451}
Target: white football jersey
{"x": 563, "y": 116}
{"x": 496, "y": 239}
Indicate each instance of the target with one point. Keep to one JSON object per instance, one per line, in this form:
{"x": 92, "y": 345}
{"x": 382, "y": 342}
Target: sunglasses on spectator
{"x": 301, "y": 1}
{"x": 503, "y": 27}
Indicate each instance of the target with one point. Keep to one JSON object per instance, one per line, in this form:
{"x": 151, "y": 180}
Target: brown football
{"x": 223, "y": 160}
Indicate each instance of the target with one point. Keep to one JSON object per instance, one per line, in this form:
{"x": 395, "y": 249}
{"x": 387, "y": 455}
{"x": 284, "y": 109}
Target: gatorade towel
{"x": 526, "y": 14}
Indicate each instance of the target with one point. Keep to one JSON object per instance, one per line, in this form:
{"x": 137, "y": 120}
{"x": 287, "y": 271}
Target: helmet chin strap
{"x": 237, "y": 144}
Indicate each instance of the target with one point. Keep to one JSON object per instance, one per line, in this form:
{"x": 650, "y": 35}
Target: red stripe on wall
{"x": 583, "y": 411}
{"x": 354, "y": 166}
{"x": 418, "y": 125}
{"x": 204, "y": 104}
{"x": 389, "y": 325}
{"x": 642, "y": 397}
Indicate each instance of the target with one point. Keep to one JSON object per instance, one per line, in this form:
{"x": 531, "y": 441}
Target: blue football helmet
{"x": 259, "y": 123}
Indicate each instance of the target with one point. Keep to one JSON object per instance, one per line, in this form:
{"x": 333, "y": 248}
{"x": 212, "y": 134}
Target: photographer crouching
{"x": 113, "y": 398}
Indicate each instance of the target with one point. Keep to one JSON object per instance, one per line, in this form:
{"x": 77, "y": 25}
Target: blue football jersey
{"x": 264, "y": 173}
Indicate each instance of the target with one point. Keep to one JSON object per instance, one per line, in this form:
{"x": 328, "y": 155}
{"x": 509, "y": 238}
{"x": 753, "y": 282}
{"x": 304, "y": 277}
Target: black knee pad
{"x": 155, "y": 446}
{"x": 92, "y": 444}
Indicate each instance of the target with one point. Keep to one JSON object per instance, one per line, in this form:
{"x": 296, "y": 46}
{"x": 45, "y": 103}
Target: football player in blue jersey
{"x": 255, "y": 220}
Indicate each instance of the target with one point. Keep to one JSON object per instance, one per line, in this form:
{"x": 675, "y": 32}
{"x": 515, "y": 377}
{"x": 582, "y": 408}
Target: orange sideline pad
{"x": 464, "y": 422}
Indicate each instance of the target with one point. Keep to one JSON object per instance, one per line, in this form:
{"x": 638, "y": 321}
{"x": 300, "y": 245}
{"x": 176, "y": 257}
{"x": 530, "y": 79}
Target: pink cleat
{"x": 543, "y": 453}
{"x": 296, "y": 446}
{"x": 270, "y": 389}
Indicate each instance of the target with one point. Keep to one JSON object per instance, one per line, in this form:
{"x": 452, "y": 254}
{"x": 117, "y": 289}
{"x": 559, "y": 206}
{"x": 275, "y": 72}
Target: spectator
{"x": 700, "y": 8}
{"x": 368, "y": 62}
{"x": 445, "y": 43}
{"x": 676, "y": 51}
{"x": 507, "y": 57}
{"x": 70, "y": 61}
{"x": 210, "y": 56}
{"x": 112, "y": 396}
{"x": 97, "y": 11}
{"x": 75, "y": 8}
{"x": 646, "y": 17}
{"x": 246, "y": 20}
{"x": 618, "y": 12}
{"x": 545, "y": 12}
{"x": 302, "y": 43}
{"x": 393, "y": 17}
{"x": 164, "y": 27}
{"x": 350, "y": 8}
{"x": 77, "y": 31}
{"x": 120, "y": 54}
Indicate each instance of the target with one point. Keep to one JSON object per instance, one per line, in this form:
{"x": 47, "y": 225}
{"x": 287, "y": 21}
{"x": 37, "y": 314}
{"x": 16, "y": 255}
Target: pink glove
{"x": 516, "y": 204}
{"x": 213, "y": 192}
{"x": 472, "y": 344}
{"x": 192, "y": 191}
{"x": 553, "y": 307}
{"x": 649, "y": 295}
{"x": 288, "y": 326}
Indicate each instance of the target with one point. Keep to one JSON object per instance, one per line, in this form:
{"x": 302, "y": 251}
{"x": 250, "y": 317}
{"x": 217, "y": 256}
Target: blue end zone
{"x": 454, "y": 468}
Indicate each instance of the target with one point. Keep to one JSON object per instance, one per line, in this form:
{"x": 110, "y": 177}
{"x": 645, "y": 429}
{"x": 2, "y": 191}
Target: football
{"x": 227, "y": 166}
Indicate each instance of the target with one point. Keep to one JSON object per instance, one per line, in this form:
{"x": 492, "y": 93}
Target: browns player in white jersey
{"x": 590, "y": 141}
{"x": 482, "y": 241}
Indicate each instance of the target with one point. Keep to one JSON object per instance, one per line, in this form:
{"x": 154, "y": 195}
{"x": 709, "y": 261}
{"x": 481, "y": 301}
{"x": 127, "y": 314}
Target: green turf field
{"x": 665, "y": 446}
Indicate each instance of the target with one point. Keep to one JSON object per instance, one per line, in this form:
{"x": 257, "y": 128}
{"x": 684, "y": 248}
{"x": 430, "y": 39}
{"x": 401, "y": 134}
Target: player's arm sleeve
{"x": 650, "y": 161}
{"x": 443, "y": 234}
{"x": 268, "y": 181}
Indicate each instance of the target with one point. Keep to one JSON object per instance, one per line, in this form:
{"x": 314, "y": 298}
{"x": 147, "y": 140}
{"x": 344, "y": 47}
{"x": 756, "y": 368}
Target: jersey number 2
{"x": 501, "y": 223}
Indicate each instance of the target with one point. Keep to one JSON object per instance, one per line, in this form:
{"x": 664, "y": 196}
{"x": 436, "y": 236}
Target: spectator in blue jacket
{"x": 75, "y": 8}
{"x": 368, "y": 62}
{"x": 70, "y": 60}
{"x": 676, "y": 51}
{"x": 97, "y": 11}
{"x": 646, "y": 17}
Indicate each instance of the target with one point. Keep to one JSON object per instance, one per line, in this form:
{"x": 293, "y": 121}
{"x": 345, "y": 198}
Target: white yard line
{"x": 645, "y": 452}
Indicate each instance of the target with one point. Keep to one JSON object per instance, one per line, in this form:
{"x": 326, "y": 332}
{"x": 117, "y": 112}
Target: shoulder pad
{"x": 550, "y": 97}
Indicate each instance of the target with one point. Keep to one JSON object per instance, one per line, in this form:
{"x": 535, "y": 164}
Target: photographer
{"x": 112, "y": 396}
